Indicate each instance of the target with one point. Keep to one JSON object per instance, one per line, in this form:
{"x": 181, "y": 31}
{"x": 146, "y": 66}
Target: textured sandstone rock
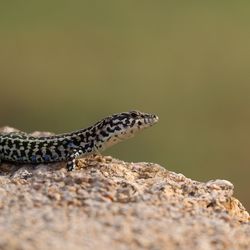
{"x": 111, "y": 204}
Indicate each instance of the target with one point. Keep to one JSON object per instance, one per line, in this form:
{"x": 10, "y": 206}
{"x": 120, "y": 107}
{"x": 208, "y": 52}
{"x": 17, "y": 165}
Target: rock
{"x": 111, "y": 204}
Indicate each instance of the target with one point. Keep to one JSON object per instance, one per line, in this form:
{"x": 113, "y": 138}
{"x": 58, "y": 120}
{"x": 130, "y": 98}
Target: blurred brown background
{"x": 66, "y": 64}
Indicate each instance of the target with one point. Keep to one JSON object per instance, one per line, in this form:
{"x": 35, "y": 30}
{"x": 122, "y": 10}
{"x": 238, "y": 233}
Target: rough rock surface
{"x": 111, "y": 204}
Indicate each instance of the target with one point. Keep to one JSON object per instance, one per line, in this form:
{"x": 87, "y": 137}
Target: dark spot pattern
{"x": 19, "y": 147}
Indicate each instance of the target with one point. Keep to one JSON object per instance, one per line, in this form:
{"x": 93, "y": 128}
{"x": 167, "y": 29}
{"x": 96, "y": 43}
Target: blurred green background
{"x": 66, "y": 64}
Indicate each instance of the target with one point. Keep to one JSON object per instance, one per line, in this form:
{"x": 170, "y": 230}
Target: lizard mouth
{"x": 152, "y": 119}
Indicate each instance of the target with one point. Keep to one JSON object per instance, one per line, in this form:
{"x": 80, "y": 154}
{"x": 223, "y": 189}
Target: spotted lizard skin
{"x": 22, "y": 148}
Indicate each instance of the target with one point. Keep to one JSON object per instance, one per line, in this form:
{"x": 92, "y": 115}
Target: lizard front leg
{"x": 71, "y": 160}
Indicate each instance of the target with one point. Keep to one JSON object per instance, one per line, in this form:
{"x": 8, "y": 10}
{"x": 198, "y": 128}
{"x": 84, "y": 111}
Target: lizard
{"x": 22, "y": 148}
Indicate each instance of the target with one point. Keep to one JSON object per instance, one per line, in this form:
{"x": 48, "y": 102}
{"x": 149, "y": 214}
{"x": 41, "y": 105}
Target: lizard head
{"x": 122, "y": 126}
